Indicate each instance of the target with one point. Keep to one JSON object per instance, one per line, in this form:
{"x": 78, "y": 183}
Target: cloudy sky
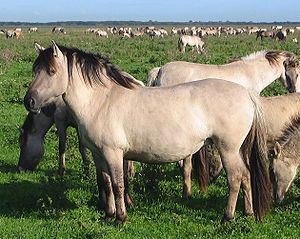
{"x": 145, "y": 10}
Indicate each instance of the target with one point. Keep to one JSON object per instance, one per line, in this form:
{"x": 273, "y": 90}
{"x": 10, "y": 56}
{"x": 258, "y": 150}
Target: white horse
{"x": 117, "y": 118}
{"x": 193, "y": 41}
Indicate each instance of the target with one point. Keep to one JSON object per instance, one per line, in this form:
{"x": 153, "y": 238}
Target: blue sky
{"x": 144, "y": 10}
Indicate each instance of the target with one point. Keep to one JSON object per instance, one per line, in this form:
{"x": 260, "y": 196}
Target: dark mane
{"x": 92, "y": 66}
{"x": 274, "y": 56}
{"x": 290, "y": 130}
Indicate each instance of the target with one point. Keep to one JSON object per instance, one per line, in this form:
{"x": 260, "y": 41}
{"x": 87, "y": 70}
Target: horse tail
{"x": 152, "y": 76}
{"x": 201, "y": 168}
{"x": 254, "y": 150}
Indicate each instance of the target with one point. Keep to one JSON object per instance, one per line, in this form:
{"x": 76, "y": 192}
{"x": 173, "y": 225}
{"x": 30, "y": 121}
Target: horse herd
{"x": 185, "y": 107}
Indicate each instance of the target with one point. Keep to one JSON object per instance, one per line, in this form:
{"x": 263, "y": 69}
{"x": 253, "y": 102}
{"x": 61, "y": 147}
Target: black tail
{"x": 254, "y": 150}
{"x": 201, "y": 168}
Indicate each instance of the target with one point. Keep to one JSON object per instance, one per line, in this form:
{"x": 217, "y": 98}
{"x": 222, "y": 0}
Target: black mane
{"x": 92, "y": 66}
{"x": 290, "y": 130}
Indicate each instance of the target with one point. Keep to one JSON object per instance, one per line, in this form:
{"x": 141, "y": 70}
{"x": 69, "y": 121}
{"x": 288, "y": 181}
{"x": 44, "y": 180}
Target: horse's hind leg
{"x": 187, "y": 175}
{"x": 246, "y": 186}
{"x": 233, "y": 165}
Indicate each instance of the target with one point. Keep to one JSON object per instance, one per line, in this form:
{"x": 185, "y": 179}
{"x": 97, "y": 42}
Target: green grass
{"x": 45, "y": 205}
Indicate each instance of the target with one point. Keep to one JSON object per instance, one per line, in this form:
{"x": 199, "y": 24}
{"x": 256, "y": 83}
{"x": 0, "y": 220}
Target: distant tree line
{"x": 139, "y": 23}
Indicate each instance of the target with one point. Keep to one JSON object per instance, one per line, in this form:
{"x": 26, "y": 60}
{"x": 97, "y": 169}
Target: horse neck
{"x": 80, "y": 97}
{"x": 291, "y": 150}
{"x": 263, "y": 74}
{"x": 41, "y": 124}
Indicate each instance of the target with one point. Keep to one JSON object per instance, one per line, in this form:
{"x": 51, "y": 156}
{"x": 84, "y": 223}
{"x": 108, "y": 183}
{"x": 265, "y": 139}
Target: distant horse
{"x": 32, "y": 29}
{"x": 58, "y": 30}
{"x": 263, "y": 34}
{"x": 117, "y": 118}
{"x": 286, "y": 158}
{"x": 9, "y": 33}
{"x": 279, "y": 35}
{"x": 193, "y": 41}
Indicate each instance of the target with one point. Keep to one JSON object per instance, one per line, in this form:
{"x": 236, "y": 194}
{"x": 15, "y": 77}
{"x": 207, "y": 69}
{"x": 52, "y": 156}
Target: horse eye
{"x": 52, "y": 71}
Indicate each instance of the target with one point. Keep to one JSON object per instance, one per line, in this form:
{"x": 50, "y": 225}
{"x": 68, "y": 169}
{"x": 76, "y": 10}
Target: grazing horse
{"x": 34, "y": 129}
{"x": 286, "y": 159}
{"x": 263, "y": 34}
{"x": 58, "y": 30}
{"x": 101, "y": 98}
{"x": 255, "y": 71}
{"x": 32, "y": 29}
{"x": 278, "y": 112}
{"x": 193, "y": 41}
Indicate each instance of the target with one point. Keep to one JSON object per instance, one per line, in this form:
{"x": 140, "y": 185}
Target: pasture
{"x": 44, "y": 205}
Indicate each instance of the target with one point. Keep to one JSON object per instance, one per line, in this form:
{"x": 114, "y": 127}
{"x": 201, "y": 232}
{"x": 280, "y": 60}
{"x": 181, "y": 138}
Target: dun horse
{"x": 278, "y": 112}
{"x": 286, "y": 158}
{"x": 117, "y": 118}
{"x": 255, "y": 72}
{"x": 193, "y": 41}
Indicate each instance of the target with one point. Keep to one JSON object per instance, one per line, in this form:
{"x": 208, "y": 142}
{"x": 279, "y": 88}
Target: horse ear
{"x": 56, "y": 51}
{"x": 277, "y": 150}
{"x": 38, "y": 48}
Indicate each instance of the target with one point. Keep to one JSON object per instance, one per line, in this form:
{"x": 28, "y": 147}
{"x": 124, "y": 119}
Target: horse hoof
{"x": 226, "y": 219}
{"x": 129, "y": 201}
{"x": 249, "y": 214}
{"x": 109, "y": 217}
{"x": 62, "y": 172}
{"x": 120, "y": 221}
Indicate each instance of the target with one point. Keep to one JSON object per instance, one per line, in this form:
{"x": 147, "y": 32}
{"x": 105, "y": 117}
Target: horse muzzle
{"x": 31, "y": 102}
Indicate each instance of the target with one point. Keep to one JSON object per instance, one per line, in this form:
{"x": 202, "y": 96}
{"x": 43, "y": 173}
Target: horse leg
{"x": 106, "y": 196}
{"x": 128, "y": 173}
{"x": 246, "y": 186}
{"x": 233, "y": 165}
{"x": 82, "y": 150}
{"x": 187, "y": 175}
{"x": 62, "y": 135}
{"x": 114, "y": 159}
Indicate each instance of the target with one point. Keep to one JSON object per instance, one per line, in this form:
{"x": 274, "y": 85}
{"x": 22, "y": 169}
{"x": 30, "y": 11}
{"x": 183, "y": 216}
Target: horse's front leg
{"x": 128, "y": 173}
{"x": 114, "y": 160}
{"x": 106, "y": 196}
{"x": 187, "y": 177}
{"x": 82, "y": 150}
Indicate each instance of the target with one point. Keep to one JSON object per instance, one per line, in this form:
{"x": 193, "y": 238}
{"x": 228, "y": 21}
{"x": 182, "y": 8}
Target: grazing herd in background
{"x": 196, "y": 98}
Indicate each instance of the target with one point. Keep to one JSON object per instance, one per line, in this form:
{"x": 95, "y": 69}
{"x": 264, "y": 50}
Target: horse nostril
{"x": 31, "y": 102}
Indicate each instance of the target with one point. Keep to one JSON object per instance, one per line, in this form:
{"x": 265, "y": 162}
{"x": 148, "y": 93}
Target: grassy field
{"x": 44, "y": 205}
